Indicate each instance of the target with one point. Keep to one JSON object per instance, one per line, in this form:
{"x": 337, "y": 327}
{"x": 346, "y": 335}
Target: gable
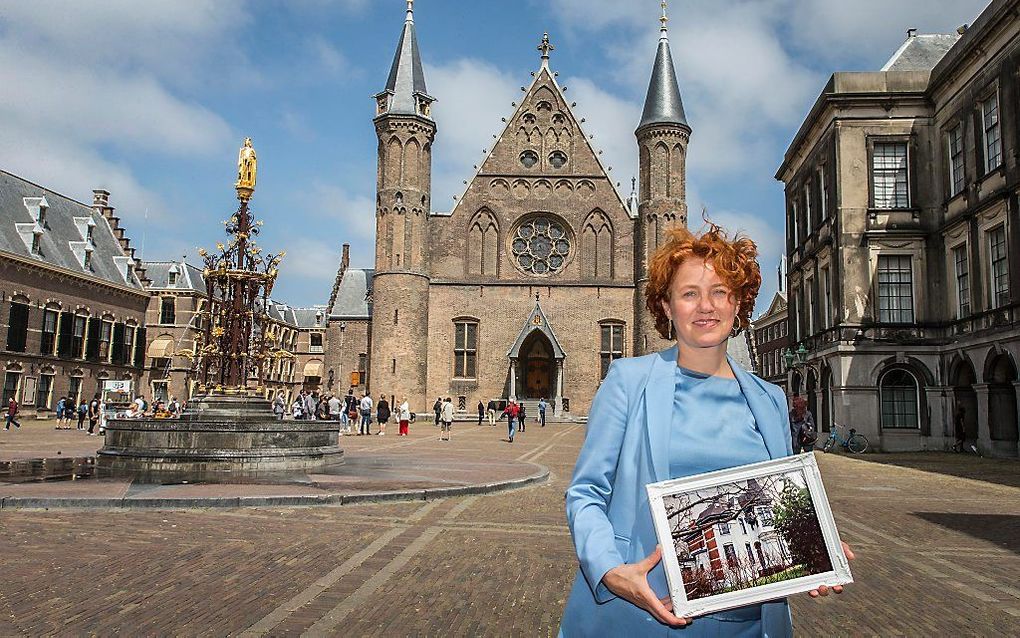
{"x": 543, "y": 153}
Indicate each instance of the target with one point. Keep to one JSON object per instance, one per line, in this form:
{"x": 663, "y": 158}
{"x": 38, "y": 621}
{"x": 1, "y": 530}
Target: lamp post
{"x": 795, "y": 359}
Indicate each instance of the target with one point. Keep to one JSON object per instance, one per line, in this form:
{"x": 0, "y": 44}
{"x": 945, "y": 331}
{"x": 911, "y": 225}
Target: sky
{"x": 151, "y": 100}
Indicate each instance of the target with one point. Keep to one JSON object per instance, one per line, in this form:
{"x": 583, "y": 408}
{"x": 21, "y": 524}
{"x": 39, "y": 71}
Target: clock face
{"x": 541, "y": 246}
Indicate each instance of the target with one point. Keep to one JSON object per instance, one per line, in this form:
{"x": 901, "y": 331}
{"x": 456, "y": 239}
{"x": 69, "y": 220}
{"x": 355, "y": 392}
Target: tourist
{"x": 404, "y": 415}
{"x": 522, "y": 416}
{"x": 61, "y": 406}
{"x": 542, "y": 405}
{"x": 141, "y": 405}
{"x": 511, "y": 419}
{"x": 310, "y": 401}
{"x": 446, "y": 414}
{"x": 83, "y": 411}
{"x": 366, "y": 414}
{"x": 12, "y": 412}
{"x": 335, "y": 407}
{"x": 297, "y": 408}
{"x": 437, "y": 407}
{"x": 382, "y": 413}
{"x": 671, "y": 414}
{"x": 490, "y": 410}
{"x": 322, "y": 409}
{"x": 481, "y": 412}
{"x": 350, "y": 412}
{"x": 279, "y": 406}
{"x": 93, "y": 413}
{"x": 801, "y": 420}
{"x": 69, "y": 412}
{"x": 959, "y": 431}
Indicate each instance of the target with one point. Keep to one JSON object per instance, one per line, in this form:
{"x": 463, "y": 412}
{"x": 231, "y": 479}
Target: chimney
{"x": 345, "y": 259}
{"x": 100, "y": 198}
{"x": 911, "y": 33}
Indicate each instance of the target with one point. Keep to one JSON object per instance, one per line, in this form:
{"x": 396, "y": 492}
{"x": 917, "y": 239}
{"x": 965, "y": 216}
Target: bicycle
{"x": 854, "y": 442}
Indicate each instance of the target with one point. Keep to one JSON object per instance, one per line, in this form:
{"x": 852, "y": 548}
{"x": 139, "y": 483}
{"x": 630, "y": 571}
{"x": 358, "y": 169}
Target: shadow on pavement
{"x": 998, "y": 471}
{"x": 1001, "y": 529}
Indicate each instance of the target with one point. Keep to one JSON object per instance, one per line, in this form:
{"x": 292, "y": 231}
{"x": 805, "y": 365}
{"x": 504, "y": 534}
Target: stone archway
{"x": 1001, "y": 376}
{"x": 962, "y": 379}
{"x": 538, "y": 367}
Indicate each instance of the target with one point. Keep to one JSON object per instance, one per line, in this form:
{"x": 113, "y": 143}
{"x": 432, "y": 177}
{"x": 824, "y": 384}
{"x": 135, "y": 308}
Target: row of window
{"x": 990, "y": 145}
{"x": 72, "y": 336}
{"x": 772, "y": 364}
{"x": 809, "y": 207}
{"x": 465, "y": 348}
{"x": 42, "y": 395}
{"x": 775, "y": 331}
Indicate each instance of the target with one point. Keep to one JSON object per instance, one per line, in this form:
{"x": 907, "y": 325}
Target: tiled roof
{"x": 188, "y": 277}
{"x": 63, "y": 232}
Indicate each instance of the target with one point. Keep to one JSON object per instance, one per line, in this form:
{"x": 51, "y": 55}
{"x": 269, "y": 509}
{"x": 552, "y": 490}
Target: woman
{"x": 801, "y": 421}
{"x": 382, "y": 414}
{"x": 683, "y": 411}
{"x": 404, "y": 416}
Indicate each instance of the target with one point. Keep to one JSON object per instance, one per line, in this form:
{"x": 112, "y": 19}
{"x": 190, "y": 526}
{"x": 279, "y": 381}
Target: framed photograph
{"x": 746, "y": 535}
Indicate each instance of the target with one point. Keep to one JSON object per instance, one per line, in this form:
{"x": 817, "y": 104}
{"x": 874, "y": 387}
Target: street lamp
{"x": 795, "y": 359}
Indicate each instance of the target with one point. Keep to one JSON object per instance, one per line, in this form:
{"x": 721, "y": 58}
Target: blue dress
{"x": 713, "y": 429}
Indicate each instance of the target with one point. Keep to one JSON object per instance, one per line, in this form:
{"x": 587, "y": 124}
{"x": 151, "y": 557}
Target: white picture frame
{"x": 692, "y": 517}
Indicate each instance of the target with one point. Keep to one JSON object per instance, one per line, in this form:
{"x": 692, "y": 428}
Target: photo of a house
{"x": 746, "y": 533}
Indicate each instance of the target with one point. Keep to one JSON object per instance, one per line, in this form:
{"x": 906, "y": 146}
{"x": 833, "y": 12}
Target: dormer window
{"x": 86, "y": 261}
{"x": 37, "y": 242}
{"x": 91, "y": 228}
{"x": 171, "y": 277}
{"x": 42, "y": 215}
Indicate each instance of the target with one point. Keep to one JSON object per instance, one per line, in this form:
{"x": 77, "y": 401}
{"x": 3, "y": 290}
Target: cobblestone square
{"x": 936, "y": 536}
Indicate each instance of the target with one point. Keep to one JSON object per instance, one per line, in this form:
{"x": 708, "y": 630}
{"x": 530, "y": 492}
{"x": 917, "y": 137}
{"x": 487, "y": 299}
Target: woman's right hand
{"x": 630, "y": 582}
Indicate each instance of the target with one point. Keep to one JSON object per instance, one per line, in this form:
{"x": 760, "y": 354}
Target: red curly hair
{"x": 735, "y": 261}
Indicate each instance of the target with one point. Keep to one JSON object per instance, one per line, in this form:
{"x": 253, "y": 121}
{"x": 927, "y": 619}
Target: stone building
{"x": 72, "y": 296}
{"x": 533, "y": 283}
{"x": 903, "y": 247}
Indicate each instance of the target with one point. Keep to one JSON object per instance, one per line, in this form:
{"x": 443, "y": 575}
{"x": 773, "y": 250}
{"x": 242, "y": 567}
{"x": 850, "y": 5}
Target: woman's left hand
{"x": 823, "y": 590}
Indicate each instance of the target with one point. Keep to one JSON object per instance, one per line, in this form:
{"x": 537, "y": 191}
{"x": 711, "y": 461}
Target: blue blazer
{"x": 626, "y": 447}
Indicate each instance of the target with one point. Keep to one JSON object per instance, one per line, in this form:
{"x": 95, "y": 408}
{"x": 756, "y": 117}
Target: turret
{"x": 662, "y": 137}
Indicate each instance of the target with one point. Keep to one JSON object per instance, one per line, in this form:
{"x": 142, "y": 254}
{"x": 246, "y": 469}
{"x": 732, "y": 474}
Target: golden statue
{"x": 246, "y": 169}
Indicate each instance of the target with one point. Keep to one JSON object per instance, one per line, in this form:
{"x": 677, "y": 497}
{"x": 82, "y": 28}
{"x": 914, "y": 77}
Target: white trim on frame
{"x": 804, "y": 463}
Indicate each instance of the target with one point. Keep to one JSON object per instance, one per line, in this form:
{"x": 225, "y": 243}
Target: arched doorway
{"x": 1002, "y": 412}
{"x": 538, "y": 367}
{"x": 963, "y": 379}
{"x": 826, "y": 412}
{"x": 812, "y": 399}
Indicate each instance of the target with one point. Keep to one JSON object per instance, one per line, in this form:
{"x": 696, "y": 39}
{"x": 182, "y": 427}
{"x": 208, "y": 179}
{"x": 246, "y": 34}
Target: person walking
{"x": 491, "y": 412}
{"x": 279, "y": 407}
{"x": 350, "y": 412}
{"x": 522, "y": 417}
{"x": 366, "y": 414}
{"x": 437, "y": 407}
{"x": 511, "y": 420}
{"x": 83, "y": 411}
{"x": 481, "y": 412}
{"x": 382, "y": 414}
{"x": 94, "y": 414}
{"x": 404, "y": 415}
{"x": 446, "y": 414}
{"x": 542, "y": 405}
{"x": 12, "y": 412}
{"x": 801, "y": 419}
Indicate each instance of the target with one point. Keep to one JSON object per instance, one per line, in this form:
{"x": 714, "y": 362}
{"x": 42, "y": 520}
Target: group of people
{"x": 515, "y": 413}
{"x": 94, "y": 411}
{"x": 349, "y": 411}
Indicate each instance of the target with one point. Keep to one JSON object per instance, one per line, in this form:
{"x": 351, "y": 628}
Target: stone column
{"x": 513, "y": 379}
{"x": 558, "y": 402}
{"x": 984, "y": 440}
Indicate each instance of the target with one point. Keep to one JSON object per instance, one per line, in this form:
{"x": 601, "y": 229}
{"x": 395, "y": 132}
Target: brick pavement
{"x": 938, "y": 554}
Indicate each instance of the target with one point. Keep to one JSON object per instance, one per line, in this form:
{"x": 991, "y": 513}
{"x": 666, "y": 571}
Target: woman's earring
{"x": 736, "y": 328}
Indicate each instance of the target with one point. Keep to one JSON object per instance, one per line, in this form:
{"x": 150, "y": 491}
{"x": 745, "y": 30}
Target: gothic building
{"x": 533, "y": 283}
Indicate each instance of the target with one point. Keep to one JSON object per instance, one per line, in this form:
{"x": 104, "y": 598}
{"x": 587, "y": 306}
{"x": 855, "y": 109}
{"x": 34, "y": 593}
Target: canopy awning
{"x": 161, "y": 348}
{"x": 313, "y": 369}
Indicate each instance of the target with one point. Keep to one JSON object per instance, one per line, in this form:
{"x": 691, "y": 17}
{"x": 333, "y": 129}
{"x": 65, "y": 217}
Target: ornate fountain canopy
{"x": 233, "y": 350}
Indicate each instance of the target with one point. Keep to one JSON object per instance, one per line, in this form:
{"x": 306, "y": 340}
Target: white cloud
{"x": 611, "y": 120}
{"x": 473, "y": 96}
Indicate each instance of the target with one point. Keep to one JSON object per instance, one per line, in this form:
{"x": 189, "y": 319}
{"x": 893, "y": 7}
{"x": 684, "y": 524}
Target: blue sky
{"x": 152, "y": 99}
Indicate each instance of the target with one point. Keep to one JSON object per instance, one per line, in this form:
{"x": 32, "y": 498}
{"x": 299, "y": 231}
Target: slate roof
{"x": 314, "y": 317}
{"x": 65, "y": 225}
{"x": 662, "y": 103}
{"x": 407, "y": 77}
{"x": 188, "y": 278}
{"x": 921, "y": 52}
{"x": 351, "y": 301}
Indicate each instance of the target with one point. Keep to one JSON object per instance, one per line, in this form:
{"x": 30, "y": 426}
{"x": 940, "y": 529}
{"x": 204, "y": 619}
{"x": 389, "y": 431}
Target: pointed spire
{"x": 405, "y": 92}
{"x": 663, "y": 104}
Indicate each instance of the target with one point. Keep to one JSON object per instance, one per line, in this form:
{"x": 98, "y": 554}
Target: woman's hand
{"x": 823, "y": 590}
{"x": 630, "y": 582}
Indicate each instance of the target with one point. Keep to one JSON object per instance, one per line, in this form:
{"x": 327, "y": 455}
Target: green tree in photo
{"x": 796, "y": 520}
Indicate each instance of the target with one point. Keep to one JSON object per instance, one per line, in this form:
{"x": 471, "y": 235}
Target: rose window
{"x": 541, "y": 246}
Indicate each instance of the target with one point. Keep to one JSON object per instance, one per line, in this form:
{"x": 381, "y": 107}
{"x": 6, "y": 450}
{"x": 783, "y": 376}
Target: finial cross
{"x": 665, "y": 18}
{"x": 545, "y": 47}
